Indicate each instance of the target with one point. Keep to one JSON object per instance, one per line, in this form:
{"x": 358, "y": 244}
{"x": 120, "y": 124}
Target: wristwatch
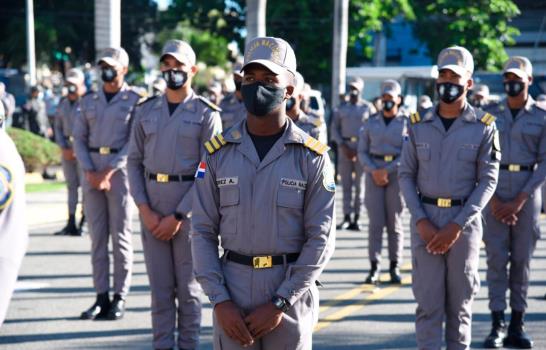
{"x": 281, "y": 303}
{"x": 180, "y": 216}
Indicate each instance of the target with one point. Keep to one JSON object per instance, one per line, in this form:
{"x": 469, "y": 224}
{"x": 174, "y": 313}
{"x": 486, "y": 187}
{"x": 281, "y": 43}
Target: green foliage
{"x": 482, "y": 26}
{"x": 37, "y": 152}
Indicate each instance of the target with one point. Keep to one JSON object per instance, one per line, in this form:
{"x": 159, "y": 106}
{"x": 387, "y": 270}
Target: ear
{"x": 530, "y": 81}
{"x": 399, "y": 100}
{"x": 289, "y": 91}
{"x": 124, "y": 70}
{"x": 194, "y": 70}
{"x": 470, "y": 83}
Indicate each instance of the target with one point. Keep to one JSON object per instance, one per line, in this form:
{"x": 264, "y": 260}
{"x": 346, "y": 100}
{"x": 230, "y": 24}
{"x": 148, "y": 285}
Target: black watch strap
{"x": 281, "y": 303}
{"x": 179, "y": 216}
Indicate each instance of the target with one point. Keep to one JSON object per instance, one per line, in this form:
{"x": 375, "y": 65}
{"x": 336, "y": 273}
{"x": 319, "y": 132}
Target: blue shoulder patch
{"x": 6, "y": 187}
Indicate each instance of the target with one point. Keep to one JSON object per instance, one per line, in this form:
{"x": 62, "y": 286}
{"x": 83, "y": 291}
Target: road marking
{"x": 376, "y": 293}
{"x": 21, "y": 286}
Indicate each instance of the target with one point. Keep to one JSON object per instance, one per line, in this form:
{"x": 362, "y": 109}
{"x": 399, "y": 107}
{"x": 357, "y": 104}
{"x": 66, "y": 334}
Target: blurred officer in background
{"x": 232, "y": 106}
{"x": 8, "y": 102}
{"x": 310, "y": 125}
{"x": 480, "y": 96}
{"x": 159, "y": 86}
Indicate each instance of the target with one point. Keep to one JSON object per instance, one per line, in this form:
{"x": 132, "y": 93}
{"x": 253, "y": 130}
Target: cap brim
{"x": 519, "y": 72}
{"x": 391, "y": 92}
{"x": 455, "y": 68}
{"x": 356, "y": 86}
{"x": 275, "y": 68}
{"x": 109, "y": 61}
{"x": 73, "y": 81}
{"x": 179, "y": 57}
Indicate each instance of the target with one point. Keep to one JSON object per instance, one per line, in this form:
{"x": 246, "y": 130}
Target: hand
{"x": 105, "y": 177}
{"x": 380, "y": 177}
{"x": 444, "y": 239}
{"x": 230, "y": 318}
{"x": 426, "y": 229}
{"x": 150, "y": 218}
{"x": 68, "y": 154}
{"x": 511, "y": 208}
{"x": 93, "y": 179}
{"x": 263, "y": 320}
{"x": 49, "y": 132}
{"x": 510, "y": 220}
{"x": 348, "y": 152}
{"x": 167, "y": 228}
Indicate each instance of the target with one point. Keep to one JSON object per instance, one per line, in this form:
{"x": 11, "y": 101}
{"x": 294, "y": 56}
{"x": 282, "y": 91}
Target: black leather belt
{"x": 517, "y": 168}
{"x": 103, "y": 150}
{"x": 163, "y": 178}
{"x": 385, "y": 157}
{"x": 263, "y": 261}
{"x": 442, "y": 202}
{"x": 352, "y": 139}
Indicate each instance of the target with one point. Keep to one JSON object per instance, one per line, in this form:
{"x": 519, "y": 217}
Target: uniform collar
{"x": 528, "y": 105}
{"x": 468, "y": 113}
{"x": 189, "y": 103}
{"x": 238, "y": 132}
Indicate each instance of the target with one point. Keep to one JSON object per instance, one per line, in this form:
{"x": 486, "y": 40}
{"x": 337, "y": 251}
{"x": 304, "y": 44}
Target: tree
{"x": 482, "y": 26}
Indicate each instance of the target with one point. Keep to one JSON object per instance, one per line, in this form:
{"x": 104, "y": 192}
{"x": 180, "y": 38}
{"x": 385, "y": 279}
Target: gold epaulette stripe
{"x": 215, "y": 143}
{"x": 487, "y": 119}
{"x": 315, "y": 146}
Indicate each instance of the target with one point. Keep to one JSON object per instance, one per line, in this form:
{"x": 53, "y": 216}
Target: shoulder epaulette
{"x": 315, "y": 145}
{"x": 147, "y": 100}
{"x": 6, "y": 189}
{"x": 215, "y": 143}
{"x": 487, "y": 119}
{"x": 210, "y": 104}
{"x": 415, "y": 118}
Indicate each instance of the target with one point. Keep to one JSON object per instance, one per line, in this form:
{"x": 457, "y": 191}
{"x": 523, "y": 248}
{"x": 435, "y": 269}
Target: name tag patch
{"x": 227, "y": 181}
{"x": 292, "y": 183}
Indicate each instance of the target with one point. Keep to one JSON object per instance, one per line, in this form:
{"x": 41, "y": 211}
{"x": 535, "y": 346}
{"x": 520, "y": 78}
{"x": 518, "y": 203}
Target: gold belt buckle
{"x": 104, "y": 150}
{"x": 163, "y": 178}
{"x": 354, "y": 139}
{"x": 514, "y": 167}
{"x": 262, "y": 262}
{"x": 444, "y": 202}
{"x": 71, "y": 138}
{"x": 389, "y": 158}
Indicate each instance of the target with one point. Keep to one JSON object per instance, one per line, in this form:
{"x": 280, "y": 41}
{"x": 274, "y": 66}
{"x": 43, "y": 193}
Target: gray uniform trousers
{"x": 385, "y": 206}
{"x": 73, "y": 176}
{"x": 109, "y": 214}
{"x": 351, "y": 178}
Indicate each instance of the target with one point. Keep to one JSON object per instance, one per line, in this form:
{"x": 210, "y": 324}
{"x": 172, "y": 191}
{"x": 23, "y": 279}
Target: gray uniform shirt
{"x": 310, "y": 125}
{"x": 523, "y": 142}
{"x": 462, "y": 163}
{"x": 104, "y": 124}
{"x": 162, "y": 143}
{"x": 64, "y": 122}
{"x": 347, "y": 121}
{"x": 378, "y": 138}
{"x": 283, "y": 204}
{"x": 232, "y": 112}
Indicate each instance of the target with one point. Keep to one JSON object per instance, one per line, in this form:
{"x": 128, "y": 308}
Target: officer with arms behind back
{"x": 448, "y": 173}
{"x": 266, "y": 189}
{"x": 166, "y": 145}
{"x": 512, "y": 219}
{"x": 101, "y": 141}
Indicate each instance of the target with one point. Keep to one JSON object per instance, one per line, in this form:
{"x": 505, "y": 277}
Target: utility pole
{"x": 107, "y": 24}
{"x": 255, "y": 19}
{"x": 31, "y": 52}
{"x": 339, "y": 49}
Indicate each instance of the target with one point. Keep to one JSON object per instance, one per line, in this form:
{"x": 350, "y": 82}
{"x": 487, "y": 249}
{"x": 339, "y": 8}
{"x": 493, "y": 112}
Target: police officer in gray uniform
{"x": 232, "y": 106}
{"x": 310, "y": 125}
{"x": 175, "y": 126}
{"x": 448, "y": 173}
{"x": 101, "y": 139}
{"x": 266, "y": 190}
{"x": 512, "y": 219}
{"x": 346, "y": 124}
{"x": 64, "y": 125}
{"x": 13, "y": 227}
{"x": 379, "y": 149}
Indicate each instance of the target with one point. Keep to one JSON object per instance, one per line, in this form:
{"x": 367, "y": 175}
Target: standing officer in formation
{"x": 13, "y": 227}
{"x": 232, "y": 106}
{"x": 64, "y": 126}
{"x": 448, "y": 173}
{"x": 166, "y": 145}
{"x": 512, "y": 219}
{"x": 310, "y": 125}
{"x": 346, "y": 124}
{"x": 101, "y": 133}
{"x": 379, "y": 149}
{"x": 266, "y": 191}
{"x": 480, "y": 97}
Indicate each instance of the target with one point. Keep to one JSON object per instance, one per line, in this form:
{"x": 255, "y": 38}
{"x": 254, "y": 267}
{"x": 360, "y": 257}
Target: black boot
{"x": 346, "y": 223}
{"x": 373, "y": 277}
{"x": 80, "y": 226}
{"x": 516, "y": 333}
{"x": 70, "y": 227}
{"x": 495, "y": 339}
{"x": 394, "y": 271}
{"x": 99, "y": 310}
{"x": 354, "y": 226}
{"x": 117, "y": 310}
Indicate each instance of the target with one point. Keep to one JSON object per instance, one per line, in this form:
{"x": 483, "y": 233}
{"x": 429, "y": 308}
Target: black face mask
{"x": 260, "y": 99}
{"x": 388, "y": 105}
{"x": 513, "y": 88}
{"x": 449, "y": 92}
{"x": 238, "y": 85}
{"x": 72, "y": 89}
{"x": 478, "y": 103}
{"x": 175, "y": 78}
{"x": 108, "y": 74}
{"x": 290, "y": 103}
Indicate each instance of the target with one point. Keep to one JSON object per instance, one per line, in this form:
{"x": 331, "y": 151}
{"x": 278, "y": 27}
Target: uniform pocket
{"x": 468, "y": 153}
{"x": 290, "y": 213}
{"x": 149, "y": 127}
{"x": 423, "y": 151}
{"x": 188, "y": 139}
{"x": 229, "y": 204}
{"x": 290, "y": 198}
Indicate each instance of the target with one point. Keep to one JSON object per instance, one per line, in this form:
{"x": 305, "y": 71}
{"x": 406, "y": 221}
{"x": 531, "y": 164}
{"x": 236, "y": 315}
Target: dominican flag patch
{"x": 200, "y": 173}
